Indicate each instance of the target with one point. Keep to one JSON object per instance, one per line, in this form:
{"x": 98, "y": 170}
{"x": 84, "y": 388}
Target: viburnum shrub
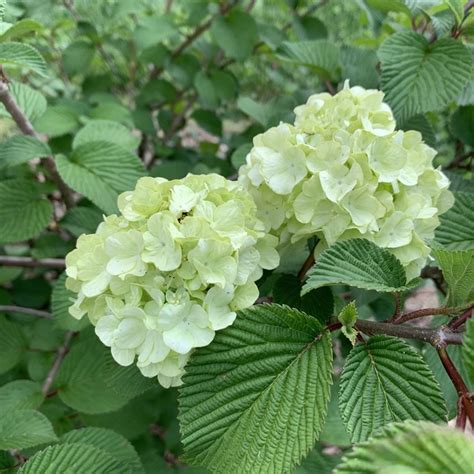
{"x": 159, "y": 279}
{"x": 197, "y": 274}
{"x": 343, "y": 171}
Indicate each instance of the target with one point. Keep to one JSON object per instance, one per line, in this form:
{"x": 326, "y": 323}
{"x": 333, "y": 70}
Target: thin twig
{"x": 60, "y": 354}
{"x": 29, "y": 262}
{"x": 21, "y": 309}
{"x": 459, "y": 321}
{"x": 422, "y": 313}
{"x": 193, "y": 36}
{"x": 459, "y": 384}
{"x": 25, "y": 126}
{"x": 308, "y": 263}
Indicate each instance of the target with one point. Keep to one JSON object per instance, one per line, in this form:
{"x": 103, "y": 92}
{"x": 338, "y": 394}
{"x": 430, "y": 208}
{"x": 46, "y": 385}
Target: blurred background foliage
{"x": 166, "y": 88}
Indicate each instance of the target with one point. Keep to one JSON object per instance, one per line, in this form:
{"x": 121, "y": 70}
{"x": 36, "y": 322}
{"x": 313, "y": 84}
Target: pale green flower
{"x": 363, "y": 178}
{"x": 158, "y": 280}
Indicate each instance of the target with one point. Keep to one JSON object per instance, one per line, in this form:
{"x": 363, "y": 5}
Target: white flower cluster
{"x": 173, "y": 268}
{"x": 342, "y": 171}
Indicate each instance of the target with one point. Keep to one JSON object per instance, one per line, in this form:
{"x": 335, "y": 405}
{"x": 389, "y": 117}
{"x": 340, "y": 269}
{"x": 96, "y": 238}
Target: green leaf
{"x": 107, "y": 131}
{"x": 419, "y": 77}
{"x": 412, "y": 447}
{"x": 3, "y": 9}
{"x": 81, "y": 380}
{"x": 153, "y": 30}
{"x": 22, "y": 55}
{"x": 208, "y": 121}
{"x": 458, "y": 271}
{"x": 239, "y": 155}
{"x": 74, "y": 458}
{"x": 56, "y": 121}
{"x": 268, "y": 114}
{"x": 225, "y": 84}
{"x": 20, "y": 149}
{"x": 386, "y": 6}
{"x": 20, "y": 28}
{"x": 61, "y": 300}
{"x": 82, "y": 220}
{"x": 20, "y": 395}
{"x": 457, "y": 7}
{"x": 24, "y": 212}
{"x": 236, "y": 33}
{"x": 309, "y": 28}
{"x": 255, "y": 399}
{"x": 462, "y": 124}
{"x": 359, "y": 65}
{"x": 468, "y": 349}
{"x": 51, "y": 245}
{"x": 318, "y": 303}
{"x": 348, "y": 317}
{"x": 100, "y": 171}
{"x": 206, "y": 91}
{"x": 112, "y": 443}
{"x": 321, "y": 56}
{"x": 358, "y": 263}
{"x": 386, "y": 380}
{"x": 32, "y": 103}
{"x": 77, "y": 57}
{"x": 456, "y": 231}
{"x": 443, "y": 22}
{"x": 25, "y": 428}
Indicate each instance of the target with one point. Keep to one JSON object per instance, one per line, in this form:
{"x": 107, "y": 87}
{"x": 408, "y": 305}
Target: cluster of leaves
{"x": 94, "y": 95}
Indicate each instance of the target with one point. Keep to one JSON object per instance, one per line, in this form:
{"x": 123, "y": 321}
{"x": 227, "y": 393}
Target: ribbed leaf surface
{"x": 21, "y": 149}
{"x": 357, "y": 263}
{"x": 412, "y": 447}
{"x": 456, "y": 231}
{"x": 256, "y": 398}
{"x": 24, "y": 55}
{"x": 12, "y": 344}
{"x": 420, "y": 77}
{"x": 112, "y": 443}
{"x": 24, "y": 213}
{"x": 320, "y": 55}
{"x": 458, "y": 271}
{"x": 383, "y": 381}
{"x": 100, "y": 171}
{"x": 20, "y": 395}
{"x": 24, "y": 428}
{"x": 73, "y": 458}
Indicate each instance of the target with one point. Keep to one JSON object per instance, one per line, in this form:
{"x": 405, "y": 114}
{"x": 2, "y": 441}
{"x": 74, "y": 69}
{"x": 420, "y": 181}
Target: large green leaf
{"x": 82, "y": 220}
{"x": 458, "y": 271}
{"x": 269, "y": 113}
{"x": 108, "y": 441}
{"x": 412, "y": 447}
{"x": 78, "y": 56}
{"x": 255, "y": 399}
{"x": 456, "y": 231}
{"x": 462, "y": 124}
{"x": 20, "y": 28}
{"x": 81, "y": 383}
{"x": 236, "y": 33}
{"x": 24, "y": 212}
{"x": 101, "y": 171}
{"x": 24, "y": 428}
{"x": 56, "y": 121}
{"x": 386, "y": 380}
{"x": 21, "y": 149}
{"x": 420, "y": 77}
{"x": 321, "y": 56}
{"x": 357, "y": 263}
{"x": 23, "y": 55}
{"x": 32, "y": 103}
{"x": 74, "y": 458}
{"x": 12, "y": 344}
{"x": 107, "y": 131}
{"x": 359, "y": 65}
{"x": 20, "y": 395}
{"x": 468, "y": 349}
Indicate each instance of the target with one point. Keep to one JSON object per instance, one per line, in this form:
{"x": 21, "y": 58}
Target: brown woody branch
{"x": 30, "y": 262}
{"x": 60, "y": 354}
{"x": 22, "y": 309}
{"x": 25, "y": 126}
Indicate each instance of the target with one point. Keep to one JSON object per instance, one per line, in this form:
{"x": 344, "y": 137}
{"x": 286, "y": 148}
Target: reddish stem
{"x": 458, "y": 322}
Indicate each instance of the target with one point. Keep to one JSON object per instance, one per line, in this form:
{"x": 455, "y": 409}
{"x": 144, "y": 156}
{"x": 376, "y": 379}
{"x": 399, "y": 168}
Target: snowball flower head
{"x": 159, "y": 279}
{"x": 342, "y": 171}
